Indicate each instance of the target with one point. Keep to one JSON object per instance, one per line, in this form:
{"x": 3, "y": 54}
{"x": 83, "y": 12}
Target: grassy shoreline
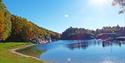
{"x": 6, "y": 56}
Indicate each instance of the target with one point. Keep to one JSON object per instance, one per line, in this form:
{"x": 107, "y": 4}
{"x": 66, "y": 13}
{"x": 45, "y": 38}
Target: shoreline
{"x": 20, "y": 54}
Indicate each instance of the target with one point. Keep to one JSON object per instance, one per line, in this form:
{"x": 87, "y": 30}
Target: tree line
{"x": 15, "y": 28}
{"x": 82, "y": 33}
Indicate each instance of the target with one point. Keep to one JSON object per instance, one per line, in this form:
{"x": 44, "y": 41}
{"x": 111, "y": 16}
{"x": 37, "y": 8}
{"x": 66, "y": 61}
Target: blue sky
{"x": 58, "y": 15}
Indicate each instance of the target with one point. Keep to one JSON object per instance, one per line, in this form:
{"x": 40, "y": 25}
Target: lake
{"x": 83, "y": 51}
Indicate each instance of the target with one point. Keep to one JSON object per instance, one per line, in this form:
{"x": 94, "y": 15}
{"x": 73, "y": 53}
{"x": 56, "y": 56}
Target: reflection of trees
{"x": 106, "y": 43}
{"x": 86, "y": 44}
{"x": 120, "y": 42}
{"x": 110, "y": 43}
{"x": 81, "y": 44}
{"x": 78, "y": 45}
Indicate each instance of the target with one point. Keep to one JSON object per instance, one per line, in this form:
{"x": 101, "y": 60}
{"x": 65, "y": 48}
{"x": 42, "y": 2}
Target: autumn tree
{"x": 5, "y": 23}
{"x": 24, "y": 30}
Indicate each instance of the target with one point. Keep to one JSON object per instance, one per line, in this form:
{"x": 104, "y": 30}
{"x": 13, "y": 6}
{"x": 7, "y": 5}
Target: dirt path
{"x": 15, "y": 51}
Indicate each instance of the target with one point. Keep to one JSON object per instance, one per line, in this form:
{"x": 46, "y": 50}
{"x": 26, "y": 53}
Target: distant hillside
{"x": 120, "y": 31}
{"x": 110, "y": 32}
{"x": 77, "y": 34}
{"x": 85, "y": 34}
{"x": 15, "y": 28}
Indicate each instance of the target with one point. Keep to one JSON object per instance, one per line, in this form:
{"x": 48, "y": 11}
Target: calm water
{"x": 89, "y": 51}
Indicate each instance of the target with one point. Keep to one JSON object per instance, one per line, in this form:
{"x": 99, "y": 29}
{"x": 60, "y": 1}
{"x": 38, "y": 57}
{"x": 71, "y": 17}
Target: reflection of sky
{"x": 112, "y": 60}
{"x": 94, "y": 53}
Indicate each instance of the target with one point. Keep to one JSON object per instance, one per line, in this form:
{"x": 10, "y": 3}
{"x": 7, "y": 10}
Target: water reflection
{"x": 84, "y": 51}
{"x": 86, "y": 43}
{"x": 82, "y": 45}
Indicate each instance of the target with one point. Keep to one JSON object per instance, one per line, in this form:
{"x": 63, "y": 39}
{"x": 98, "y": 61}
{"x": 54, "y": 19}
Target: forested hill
{"x": 85, "y": 34}
{"x": 15, "y": 28}
{"x": 78, "y": 34}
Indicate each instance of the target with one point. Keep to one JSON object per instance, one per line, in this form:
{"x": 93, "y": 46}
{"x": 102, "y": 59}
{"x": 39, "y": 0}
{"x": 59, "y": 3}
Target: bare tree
{"x": 121, "y": 3}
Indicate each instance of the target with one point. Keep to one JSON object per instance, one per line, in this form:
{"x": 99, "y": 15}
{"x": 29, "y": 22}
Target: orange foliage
{"x": 23, "y": 21}
{"x": 18, "y": 28}
{"x": 29, "y": 24}
{"x": 2, "y": 23}
{"x": 30, "y": 34}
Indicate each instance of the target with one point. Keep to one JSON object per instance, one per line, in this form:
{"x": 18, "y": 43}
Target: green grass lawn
{"x": 6, "y": 56}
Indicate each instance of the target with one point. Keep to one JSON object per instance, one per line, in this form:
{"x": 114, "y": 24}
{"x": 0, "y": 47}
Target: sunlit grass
{"x": 8, "y": 57}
